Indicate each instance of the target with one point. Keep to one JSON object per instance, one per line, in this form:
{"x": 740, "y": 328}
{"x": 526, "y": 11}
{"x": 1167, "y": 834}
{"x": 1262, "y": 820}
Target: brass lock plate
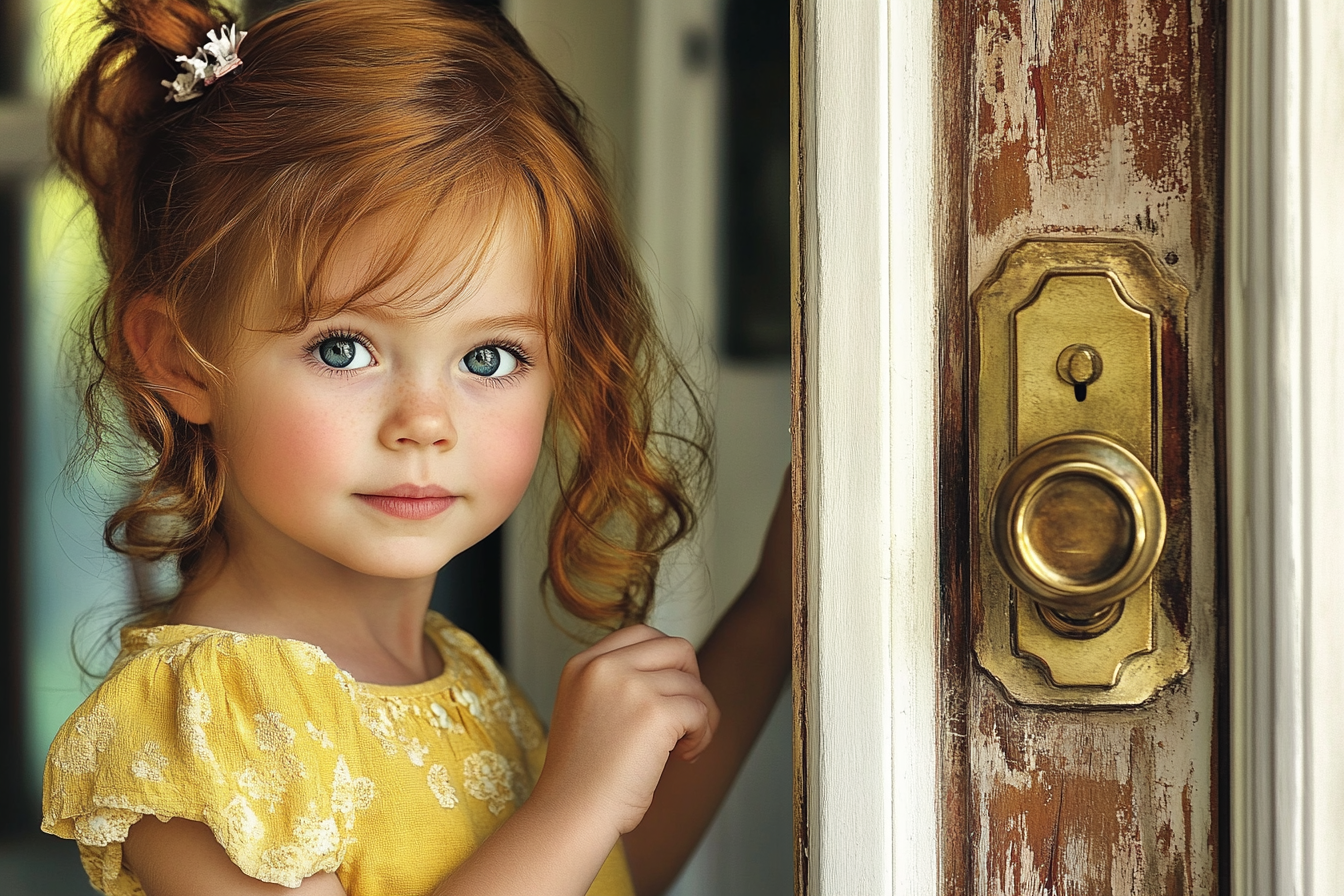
{"x": 1071, "y": 561}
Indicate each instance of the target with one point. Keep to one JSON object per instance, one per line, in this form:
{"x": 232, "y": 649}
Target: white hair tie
{"x": 212, "y": 61}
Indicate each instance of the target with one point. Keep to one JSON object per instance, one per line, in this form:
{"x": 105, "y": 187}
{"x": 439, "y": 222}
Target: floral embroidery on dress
{"x": 269, "y": 781}
{"x": 522, "y": 725}
{"x": 468, "y": 700}
{"x": 316, "y": 847}
{"x": 122, "y": 802}
{"x": 264, "y": 784}
{"x": 78, "y": 753}
{"x": 310, "y": 657}
{"x": 206, "y": 726}
{"x": 103, "y": 826}
{"x": 237, "y": 823}
{"x": 493, "y": 779}
{"x": 466, "y": 644}
{"x": 169, "y": 654}
{"x": 148, "y": 763}
{"x": 441, "y": 719}
{"x": 103, "y": 865}
{"x": 273, "y": 735}
{"x": 193, "y": 714}
{"x": 415, "y": 751}
{"x": 455, "y": 663}
{"x": 374, "y": 714}
{"x": 442, "y": 786}
{"x": 348, "y": 793}
{"x": 500, "y": 703}
{"x": 319, "y": 736}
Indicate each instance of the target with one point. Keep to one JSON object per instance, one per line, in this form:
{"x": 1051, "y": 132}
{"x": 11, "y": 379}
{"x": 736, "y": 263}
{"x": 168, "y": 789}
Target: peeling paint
{"x": 1075, "y": 804}
{"x": 1076, "y": 93}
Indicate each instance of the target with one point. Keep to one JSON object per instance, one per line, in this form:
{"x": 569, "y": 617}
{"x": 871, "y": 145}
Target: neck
{"x": 372, "y": 627}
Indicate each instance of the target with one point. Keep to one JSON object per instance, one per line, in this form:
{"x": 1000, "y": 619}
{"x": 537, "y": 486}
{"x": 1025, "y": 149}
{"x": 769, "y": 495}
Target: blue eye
{"x": 489, "y": 361}
{"x": 343, "y": 353}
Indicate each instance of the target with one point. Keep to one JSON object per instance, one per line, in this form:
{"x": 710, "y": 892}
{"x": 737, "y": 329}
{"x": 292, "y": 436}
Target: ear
{"x": 164, "y": 361}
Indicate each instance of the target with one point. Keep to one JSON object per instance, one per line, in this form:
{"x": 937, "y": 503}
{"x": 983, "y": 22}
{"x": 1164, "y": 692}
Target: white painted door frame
{"x": 1285, "y": 418}
{"x": 871, "y": 352}
{"x": 868, "y": 220}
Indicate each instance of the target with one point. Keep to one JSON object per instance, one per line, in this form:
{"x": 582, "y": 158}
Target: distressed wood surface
{"x": 954, "y": 498}
{"x": 1094, "y": 116}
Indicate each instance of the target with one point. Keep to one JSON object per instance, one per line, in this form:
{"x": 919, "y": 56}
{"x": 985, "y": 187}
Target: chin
{"x": 403, "y": 557}
{"x": 392, "y": 564}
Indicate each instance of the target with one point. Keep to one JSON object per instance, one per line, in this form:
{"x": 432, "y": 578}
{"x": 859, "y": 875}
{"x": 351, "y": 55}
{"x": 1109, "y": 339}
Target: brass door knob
{"x": 1078, "y": 523}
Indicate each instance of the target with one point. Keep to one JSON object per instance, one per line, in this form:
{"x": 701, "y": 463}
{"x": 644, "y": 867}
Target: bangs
{"x": 383, "y": 251}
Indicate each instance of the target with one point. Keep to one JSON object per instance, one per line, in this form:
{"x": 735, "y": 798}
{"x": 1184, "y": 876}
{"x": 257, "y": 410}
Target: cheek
{"x": 286, "y": 441}
{"x": 505, "y": 452}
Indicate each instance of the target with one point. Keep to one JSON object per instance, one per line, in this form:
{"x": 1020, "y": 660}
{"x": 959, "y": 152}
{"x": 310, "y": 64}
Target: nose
{"x": 419, "y": 418}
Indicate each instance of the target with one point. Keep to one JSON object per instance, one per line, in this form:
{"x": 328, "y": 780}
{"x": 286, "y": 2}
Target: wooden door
{"x": 1086, "y": 118}
{"x": 930, "y": 141}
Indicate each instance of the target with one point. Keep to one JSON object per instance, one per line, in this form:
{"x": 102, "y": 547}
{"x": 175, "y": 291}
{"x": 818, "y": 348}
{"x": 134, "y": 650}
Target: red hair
{"x": 343, "y": 110}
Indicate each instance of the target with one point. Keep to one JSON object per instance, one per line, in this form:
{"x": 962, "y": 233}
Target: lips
{"x": 410, "y": 502}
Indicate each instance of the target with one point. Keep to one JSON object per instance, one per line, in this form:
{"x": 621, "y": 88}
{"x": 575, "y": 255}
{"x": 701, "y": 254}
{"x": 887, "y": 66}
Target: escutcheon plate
{"x": 1067, "y": 340}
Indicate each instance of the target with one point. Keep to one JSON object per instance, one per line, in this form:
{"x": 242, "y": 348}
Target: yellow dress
{"x": 295, "y": 766}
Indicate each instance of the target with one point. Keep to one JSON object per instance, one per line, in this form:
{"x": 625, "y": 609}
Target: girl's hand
{"x": 624, "y": 705}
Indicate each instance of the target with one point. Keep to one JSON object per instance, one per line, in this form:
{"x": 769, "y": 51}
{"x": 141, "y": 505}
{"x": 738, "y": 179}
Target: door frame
{"x": 1284, "y": 400}
{"x": 869, "y": 210}
{"x": 866, "y": 287}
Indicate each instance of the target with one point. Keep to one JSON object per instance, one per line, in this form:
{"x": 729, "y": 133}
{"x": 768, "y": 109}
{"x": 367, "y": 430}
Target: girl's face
{"x": 387, "y": 439}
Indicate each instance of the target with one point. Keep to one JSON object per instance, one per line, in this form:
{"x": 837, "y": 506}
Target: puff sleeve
{"x": 224, "y": 729}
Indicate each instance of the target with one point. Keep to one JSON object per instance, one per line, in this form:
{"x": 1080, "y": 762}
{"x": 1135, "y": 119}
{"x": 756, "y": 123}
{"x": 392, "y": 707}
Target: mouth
{"x": 410, "y": 502}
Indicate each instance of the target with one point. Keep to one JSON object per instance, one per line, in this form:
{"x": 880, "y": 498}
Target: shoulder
{"x": 185, "y": 652}
{"x": 211, "y": 726}
{"x": 172, "y": 678}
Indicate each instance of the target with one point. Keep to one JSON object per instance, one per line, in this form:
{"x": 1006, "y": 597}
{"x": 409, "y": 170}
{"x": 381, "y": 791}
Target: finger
{"x": 676, "y": 683}
{"x": 692, "y": 718}
{"x": 660, "y": 653}
{"x": 666, "y": 692}
{"x": 617, "y": 640}
{"x": 675, "y": 686}
{"x": 624, "y": 637}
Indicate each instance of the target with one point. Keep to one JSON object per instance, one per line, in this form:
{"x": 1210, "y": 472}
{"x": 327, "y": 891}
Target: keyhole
{"x": 1079, "y": 365}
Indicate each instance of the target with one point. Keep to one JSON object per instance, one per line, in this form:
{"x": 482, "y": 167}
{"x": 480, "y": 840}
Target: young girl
{"x": 361, "y": 274}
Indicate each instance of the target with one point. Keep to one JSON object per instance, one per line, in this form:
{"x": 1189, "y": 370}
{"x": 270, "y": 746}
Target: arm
{"x": 744, "y": 663}
{"x": 624, "y": 706}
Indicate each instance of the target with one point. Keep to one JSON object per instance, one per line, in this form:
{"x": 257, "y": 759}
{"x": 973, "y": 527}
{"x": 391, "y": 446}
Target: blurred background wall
{"x": 690, "y": 99}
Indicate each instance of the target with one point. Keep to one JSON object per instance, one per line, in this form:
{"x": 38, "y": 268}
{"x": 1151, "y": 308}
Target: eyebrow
{"x": 509, "y": 322}
{"x": 529, "y": 322}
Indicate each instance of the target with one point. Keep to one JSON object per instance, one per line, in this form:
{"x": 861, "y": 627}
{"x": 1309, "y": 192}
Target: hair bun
{"x": 101, "y": 127}
{"x": 176, "y": 27}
